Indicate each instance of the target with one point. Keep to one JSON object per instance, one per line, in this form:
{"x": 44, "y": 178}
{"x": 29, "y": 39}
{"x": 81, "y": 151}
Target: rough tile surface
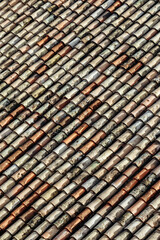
{"x": 79, "y": 119}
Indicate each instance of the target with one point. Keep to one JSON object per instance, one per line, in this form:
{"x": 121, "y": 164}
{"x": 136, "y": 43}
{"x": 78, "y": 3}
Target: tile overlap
{"x": 79, "y": 119}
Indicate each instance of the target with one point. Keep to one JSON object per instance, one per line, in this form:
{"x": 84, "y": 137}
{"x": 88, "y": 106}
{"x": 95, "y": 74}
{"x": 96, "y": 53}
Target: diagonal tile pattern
{"x": 79, "y": 119}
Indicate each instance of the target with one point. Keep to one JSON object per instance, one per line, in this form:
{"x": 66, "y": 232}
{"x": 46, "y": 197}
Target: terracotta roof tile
{"x": 79, "y": 121}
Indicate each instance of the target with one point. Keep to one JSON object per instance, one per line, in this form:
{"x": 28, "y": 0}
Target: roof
{"x": 79, "y": 119}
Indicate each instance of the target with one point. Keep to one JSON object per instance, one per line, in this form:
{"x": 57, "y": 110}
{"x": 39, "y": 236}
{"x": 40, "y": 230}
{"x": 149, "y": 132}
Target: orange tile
{"x": 98, "y": 137}
{"x": 150, "y": 34}
{"x": 71, "y": 226}
{"x": 156, "y": 186}
{"x": 3, "y": 145}
{"x": 92, "y": 1}
{"x": 4, "y": 165}
{"x": 3, "y": 178}
{"x": 64, "y": 51}
{"x": 7, "y": 222}
{"x": 135, "y": 68}
{"x": 88, "y": 89}
{"x": 100, "y": 79}
{"x": 62, "y": 25}
{"x": 65, "y": 121}
{"x": 32, "y": 79}
{"x": 27, "y": 179}
{"x": 81, "y": 129}
{"x": 28, "y": 215}
{"x": 19, "y": 210}
{"x": 129, "y": 63}
{"x": 11, "y": 78}
{"x": 83, "y": 215}
{"x": 153, "y": 148}
{"x": 141, "y": 174}
{"x": 58, "y": 2}
{"x": 137, "y": 207}
{"x": 114, "y": 6}
{"x": 117, "y": 197}
{"x": 78, "y": 193}
{"x": 85, "y": 114}
{"x": 146, "y": 197}
{"x": 62, "y": 103}
{"x": 42, "y": 69}
{"x": 37, "y": 136}
{"x": 31, "y": 199}
{"x": 47, "y": 56}
{"x": 120, "y": 60}
{"x": 104, "y": 210}
{"x": 131, "y": 170}
{"x": 43, "y": 41}
{"x": 70, "y": 138}
{"x": 95, "y": 105}
{"x": 15, "y": 155}
{"x": 17, "y": 111}
{"x": 6, "y": 121}
{"x": 24, "y": 49}
{"x": 57, "y": 47}
{"x": 87, "y": 147}
{"x": 130, "y": 185}
{"x": 42, "y": 189}
{"x": 25, "y": 146}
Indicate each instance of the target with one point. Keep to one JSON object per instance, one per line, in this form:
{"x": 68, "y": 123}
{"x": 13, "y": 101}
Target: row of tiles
{"x": 62, "y": 147}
